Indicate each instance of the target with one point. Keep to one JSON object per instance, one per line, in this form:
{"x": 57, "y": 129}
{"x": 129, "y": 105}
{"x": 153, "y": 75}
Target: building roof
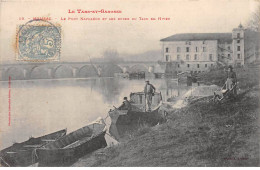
{"x": 224, "y": 37}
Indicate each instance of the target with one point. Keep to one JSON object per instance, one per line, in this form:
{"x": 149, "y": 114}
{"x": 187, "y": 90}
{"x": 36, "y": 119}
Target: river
{"x": 39, "y": 107}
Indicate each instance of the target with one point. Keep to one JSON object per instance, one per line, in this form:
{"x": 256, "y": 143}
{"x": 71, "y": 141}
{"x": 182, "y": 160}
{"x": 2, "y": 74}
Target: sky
{"x": 81, "y": 39}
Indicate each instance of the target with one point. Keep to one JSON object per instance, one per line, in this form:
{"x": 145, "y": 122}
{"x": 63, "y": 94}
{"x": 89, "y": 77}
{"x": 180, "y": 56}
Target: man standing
{"x": 149, "y": 90}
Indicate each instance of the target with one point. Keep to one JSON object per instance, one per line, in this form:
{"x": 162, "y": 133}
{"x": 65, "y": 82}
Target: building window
{"x": 187, "y": 49}
{"x": 188, "y": 43}
{"x": 238, "y": 35}
{"x": 167, "y": 50}
{"x": 197, "y": 49}
{"x": 198, "y": 66}
{"x": 228, "y": 47}
{"x": 188, "y": 65}
{"x": 238, "y": 41}
{"x": 210, "y": 57}
{"x": 228, "y": 55}
{"x": 206, "y": 65}
{"x": 195, "y": 57}
{"x": 238, "y": 48}
{"x": 178, "y": 57}
{"x": 178, "y": 49}
{"x": 187, "y": 57}
{"x": 238, "y": 56}
{"x": 178, "y": 65}
{"x": 167, "y": 57}
{"x": 204, "y": 49}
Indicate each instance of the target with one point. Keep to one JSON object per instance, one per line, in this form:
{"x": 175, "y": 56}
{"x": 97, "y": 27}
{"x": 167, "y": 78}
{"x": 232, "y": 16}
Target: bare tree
{"x": 254, "y": 21}
{"x": 112, "y": 56}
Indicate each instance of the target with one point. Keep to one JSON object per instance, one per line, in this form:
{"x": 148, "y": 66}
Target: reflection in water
{"x": 39, "y": 107}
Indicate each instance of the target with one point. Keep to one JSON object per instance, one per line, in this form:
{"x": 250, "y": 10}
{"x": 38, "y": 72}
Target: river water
{"x": 39, "y": 107}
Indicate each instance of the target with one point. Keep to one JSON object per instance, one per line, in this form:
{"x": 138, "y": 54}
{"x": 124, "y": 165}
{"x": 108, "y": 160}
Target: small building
{"x": 159, "y": 71}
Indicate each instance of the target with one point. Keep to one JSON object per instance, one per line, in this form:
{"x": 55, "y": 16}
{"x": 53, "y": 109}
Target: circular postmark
{"x": 38, "y": 40}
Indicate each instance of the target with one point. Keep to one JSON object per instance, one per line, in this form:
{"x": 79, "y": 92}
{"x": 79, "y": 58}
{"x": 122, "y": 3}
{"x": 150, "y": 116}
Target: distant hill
{"x": 153, "y": 55}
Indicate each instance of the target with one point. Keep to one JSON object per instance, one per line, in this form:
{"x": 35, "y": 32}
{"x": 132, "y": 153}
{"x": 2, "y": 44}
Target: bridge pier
{"x": 75, "y": 72}
{"x": 50, "y": 73}
{"x": 99, "y": 70}
{"x": 151, "y": 69}
{"x": 25, "y": 74}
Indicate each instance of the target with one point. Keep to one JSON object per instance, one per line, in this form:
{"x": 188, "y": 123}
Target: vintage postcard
{"x": 129, "y": 83}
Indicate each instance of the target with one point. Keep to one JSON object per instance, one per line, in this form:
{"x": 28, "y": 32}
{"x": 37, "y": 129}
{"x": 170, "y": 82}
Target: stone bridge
{"x": 55, "y": 70}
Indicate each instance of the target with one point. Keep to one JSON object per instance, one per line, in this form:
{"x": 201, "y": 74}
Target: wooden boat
{"x": 137, "y": 75}
{"x": 66, "y": 150}
{"x": 125, "y": 120}
{"x": 21, "y": 154}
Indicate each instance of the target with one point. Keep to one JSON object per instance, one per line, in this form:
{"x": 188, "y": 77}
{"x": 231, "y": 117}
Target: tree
{"x": 112, "y": 56}
{"x": 254, "y": 21}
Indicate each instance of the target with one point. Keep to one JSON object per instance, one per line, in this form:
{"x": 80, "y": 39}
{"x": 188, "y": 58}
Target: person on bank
{"x": 231, "y": 81}
{"x": 149, "y": 91}
{"x": 126, "y": 105}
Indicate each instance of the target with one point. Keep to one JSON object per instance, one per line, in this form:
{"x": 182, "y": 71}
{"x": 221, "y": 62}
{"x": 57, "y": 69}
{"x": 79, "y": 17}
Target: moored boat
{"x": 21, "y": 154}
{"x": 66, "y": 150}
{"x": 126, "y": 120}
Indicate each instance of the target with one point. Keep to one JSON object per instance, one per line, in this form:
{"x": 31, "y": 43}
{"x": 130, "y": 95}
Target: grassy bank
{"x": 200, "y": 134}
{"x": 247, "y": 77}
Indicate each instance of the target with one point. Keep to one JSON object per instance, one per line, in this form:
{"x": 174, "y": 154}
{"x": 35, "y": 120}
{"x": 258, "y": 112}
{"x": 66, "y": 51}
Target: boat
{"x": 122, "y": 75}
{"x": 21, "y": 154}
{"x": 128, "y": 120}
{"x": 66, "y": 150}
{"x": 137, "y": 75}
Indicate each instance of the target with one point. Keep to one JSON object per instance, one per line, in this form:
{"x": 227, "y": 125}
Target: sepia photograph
{"x": 133, "y": 83}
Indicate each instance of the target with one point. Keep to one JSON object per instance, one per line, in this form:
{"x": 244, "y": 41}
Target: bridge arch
{"x": 63, "y": 71}
{"x": 40, "y": 72}
{"x": 138, "y": 68}
{"x": 88, "y": 71}
{"x": 15, "y": 73}
{"x": 110, "y": 69}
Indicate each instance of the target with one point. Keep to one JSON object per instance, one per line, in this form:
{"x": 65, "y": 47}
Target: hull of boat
{"x": 132, "y": 121}
{"x": 132, "y": 118}
{"x": 20, "y": 158}
{"x": 22, "y": 154}
{"x": 67, "y": 156}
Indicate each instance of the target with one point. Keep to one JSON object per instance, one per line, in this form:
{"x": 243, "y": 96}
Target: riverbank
{"x": 200, "y": 134}
{"x": 247, "y": 77}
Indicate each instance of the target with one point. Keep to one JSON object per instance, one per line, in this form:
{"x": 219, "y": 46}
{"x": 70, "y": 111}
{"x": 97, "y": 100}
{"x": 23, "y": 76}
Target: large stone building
{"x": 197, "y": 52}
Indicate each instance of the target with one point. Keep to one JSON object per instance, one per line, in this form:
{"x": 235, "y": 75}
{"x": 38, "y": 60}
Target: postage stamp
{"x": 38, "y": 41}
